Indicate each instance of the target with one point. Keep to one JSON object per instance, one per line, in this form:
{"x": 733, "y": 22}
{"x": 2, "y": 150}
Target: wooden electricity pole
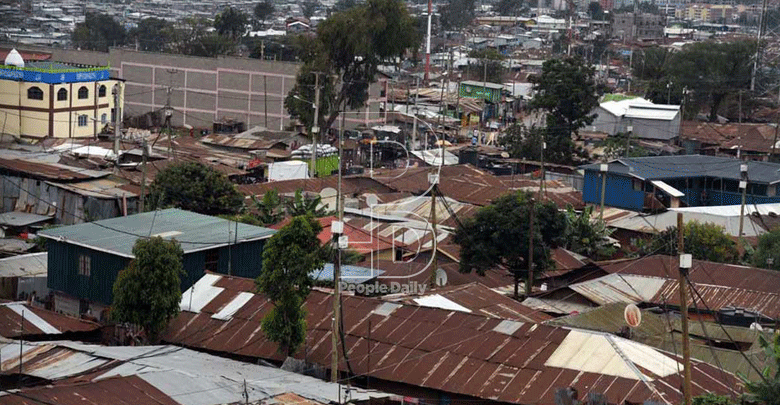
{"x": 684, "y": 266}
{"x": 529, "y": 282}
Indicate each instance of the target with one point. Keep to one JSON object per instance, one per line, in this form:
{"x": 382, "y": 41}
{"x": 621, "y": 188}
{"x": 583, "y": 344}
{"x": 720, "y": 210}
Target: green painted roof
{"x": 194, "y": 231}
{"x": 616, "y": 97}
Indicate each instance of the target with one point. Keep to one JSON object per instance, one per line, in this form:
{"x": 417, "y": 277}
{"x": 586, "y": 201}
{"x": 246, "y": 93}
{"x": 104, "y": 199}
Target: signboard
{"x": 54, "y": 77}
{"x": 471, "y": 91}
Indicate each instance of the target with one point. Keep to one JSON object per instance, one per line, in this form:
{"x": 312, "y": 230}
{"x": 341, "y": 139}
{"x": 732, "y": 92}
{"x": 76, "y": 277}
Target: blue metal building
{"x": 85, "y": 259}
{"x": 680, "y": 180}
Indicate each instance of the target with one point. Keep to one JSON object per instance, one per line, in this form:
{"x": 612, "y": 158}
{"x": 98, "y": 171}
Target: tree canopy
{"x": 712, "y": 72}
{"x": 194, "y": 187}
{"x": 309, "y": 7}
{"x": 567, "y": 92}
{"x": 457, "y": 14}
{"x": 148, "y": 292}
{"x": 348, "y": 49}
{"x": 288, "y": 258}
{"x": 489, "y": 66}
{"x": 766, "y": 391}
{"x": 587, "y": 236}
{"x": 767, "y": 254}
{"x": 497, "y": 236}
{"x": 98, "y": 32}
{"x": 704, "y": 241}
{"x": 154, "y": 34}
{"x": 231, "y": 22}
{"x": 263, "y": 10}
{"x": 508, "y": 7}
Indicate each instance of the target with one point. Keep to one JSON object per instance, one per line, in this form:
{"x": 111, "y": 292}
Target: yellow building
{"x": 54, "y": 100}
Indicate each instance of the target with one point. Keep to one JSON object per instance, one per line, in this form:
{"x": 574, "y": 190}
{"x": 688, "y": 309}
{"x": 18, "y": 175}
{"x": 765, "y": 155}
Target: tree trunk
{"x": 717, "y": 99}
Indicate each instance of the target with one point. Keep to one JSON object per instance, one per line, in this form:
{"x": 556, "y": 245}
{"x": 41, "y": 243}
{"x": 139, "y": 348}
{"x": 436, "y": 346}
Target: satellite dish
{"x": 441, "y": 277}
{"x": 372, "y": 200}
{"x": 504, "y": 155}
{"x": 632, "y": 315}
{"x": 756, "y": 326}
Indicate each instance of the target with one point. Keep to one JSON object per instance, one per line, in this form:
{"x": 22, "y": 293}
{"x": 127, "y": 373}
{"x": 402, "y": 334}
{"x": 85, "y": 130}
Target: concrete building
{"x": 629, "y": 26}
{"x": 204, "y": 90}
{"x": 706, "y": 12}
{"x": 45, "y": 99}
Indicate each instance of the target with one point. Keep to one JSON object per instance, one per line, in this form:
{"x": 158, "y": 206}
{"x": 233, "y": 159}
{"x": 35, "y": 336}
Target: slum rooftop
{"x": 195, "y": 232}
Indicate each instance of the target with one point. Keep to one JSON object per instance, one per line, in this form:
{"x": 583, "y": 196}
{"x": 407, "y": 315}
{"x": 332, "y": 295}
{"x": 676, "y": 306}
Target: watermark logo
{"x": 394, "y": 287}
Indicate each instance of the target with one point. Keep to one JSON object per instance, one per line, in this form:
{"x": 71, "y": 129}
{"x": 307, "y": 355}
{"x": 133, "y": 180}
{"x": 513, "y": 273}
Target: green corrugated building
{"x": 85, "y": 259}
{"x": 481, "y": 90}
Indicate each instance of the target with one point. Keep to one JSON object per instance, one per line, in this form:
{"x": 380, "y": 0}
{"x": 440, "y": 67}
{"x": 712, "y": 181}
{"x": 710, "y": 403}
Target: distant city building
{"x": 629, "y": 26}
{"x": 706, "y": 12}
{"x": 44, "y": 99}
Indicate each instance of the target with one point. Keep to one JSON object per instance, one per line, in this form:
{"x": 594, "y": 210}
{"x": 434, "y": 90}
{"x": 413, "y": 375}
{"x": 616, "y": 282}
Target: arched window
{"x": 35, "y": 93}
{"x": 102, "y": 91}
{"x": 103, "y": 118}
{"x": 83, "y": 92}
{"x": 62, "y": 95}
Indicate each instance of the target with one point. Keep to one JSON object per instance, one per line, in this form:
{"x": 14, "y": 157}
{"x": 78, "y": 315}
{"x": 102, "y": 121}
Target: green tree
{"x": 508, "y": 7}
{"x": 489, "y": 66}
{"x": 595, "y": 11}
{"x": 98, "y": 32}
{"x": 269, "y": 208}
{"x": 153, "y": 34}
{"x": 263, "y": 10}
{"x": 309, "y": 7}
{"x": 615, "y": 147}
{"x": 288, "y": 259}
{"x": 713, "y": 72}
{"x": 713, "y": 399}
{"x": 587, "y": 236}
{"x": 497, "y": 236}
{"x": 305, "y": 205}
{"x": 342, "y": 5}
{"x": 766, "y": 391}
{"x": 522, "y": 142}
{"x": 651, "y": 73}
{"x": 567, "y": 92}
{"x": 231, "y": 23}
{"x": 703, "y": 241}
{"x": 767, "y": 254}
{"x": 148, "y": 292}
{"x": 194, "y": 187}
{"x": 456, "y": 14}
{"x": 347, "y": 51}
{"x": 194, "y": 38}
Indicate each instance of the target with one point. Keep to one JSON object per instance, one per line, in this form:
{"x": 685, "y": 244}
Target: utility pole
{"x": 337, "y": 228}
{"x": 684, "y": 266}
{"x": 428, "y": 45}
{"x": 743, "y": 169}
{"x": 629, "y": 130}
{"x": 759, "y": 34}
{"x": 434, "y": 180}
{"x": 265, "y": 99}
{"x": 117, "y": 122}
{"x": 541, "y": 170}
{"x": 774, "y": 141}
{"x": 315, "y": 129}
{"x": 603, "y": 169}
{"x": 414, "y": 123}
{"x": 529, "y": 282}
{"x": 144, "y": 155}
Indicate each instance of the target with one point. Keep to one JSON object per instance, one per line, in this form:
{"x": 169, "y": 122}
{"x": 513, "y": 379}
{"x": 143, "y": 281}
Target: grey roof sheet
{"x": 193, "y": 231}
{"x": 349, "y": 274}
{"x": 21, "y": 218}
{"x": 682, "y": 166}
{"x": 31, "y": 265}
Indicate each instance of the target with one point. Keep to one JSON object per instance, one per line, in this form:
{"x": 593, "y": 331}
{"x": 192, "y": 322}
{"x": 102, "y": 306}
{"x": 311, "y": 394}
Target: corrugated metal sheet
{"x": 623, "y": 288}
{"x": 38, "y": 321}
{"x": 29, "y": 265}
{"x": 451, "y": 351}
{"x": 116, "y": 391}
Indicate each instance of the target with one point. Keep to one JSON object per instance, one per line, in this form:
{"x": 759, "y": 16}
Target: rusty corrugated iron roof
{"x": 447, "y": 350}
{"x": 49, "y": 171}
{"x": 116, "y": 390}
{"x": 38, "y": 321}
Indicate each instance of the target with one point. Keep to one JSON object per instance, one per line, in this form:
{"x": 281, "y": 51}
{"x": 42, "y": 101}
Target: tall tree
{"x": 309, "y": 7}
{"x": 98, "y": 32}
{"x": 231, "y": 23}
{"x": 305, "y": 205}
{"x": 288, "y": 259}
{"x": 508, "y": 7}
{"x": 704, "y": 241}
{"x": 497, "y": 236}
{"x": 148, "y": 292}
{"x": 194, "y": 187}
{"x": 342, "y": 5}
{"x": 566, "y": 91}
{"x": 456, "y": 14}
{"x": 153, "y": 34}
{"x": 263, "y": 10}
{"x": 595, "y": 11}
{"x": 767, "y": 254}
{"x": 193, "y": 37}
{"x": 489, "y": 66}
{"x": 346, "y": 53}
{"x": 522, "y": 142}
